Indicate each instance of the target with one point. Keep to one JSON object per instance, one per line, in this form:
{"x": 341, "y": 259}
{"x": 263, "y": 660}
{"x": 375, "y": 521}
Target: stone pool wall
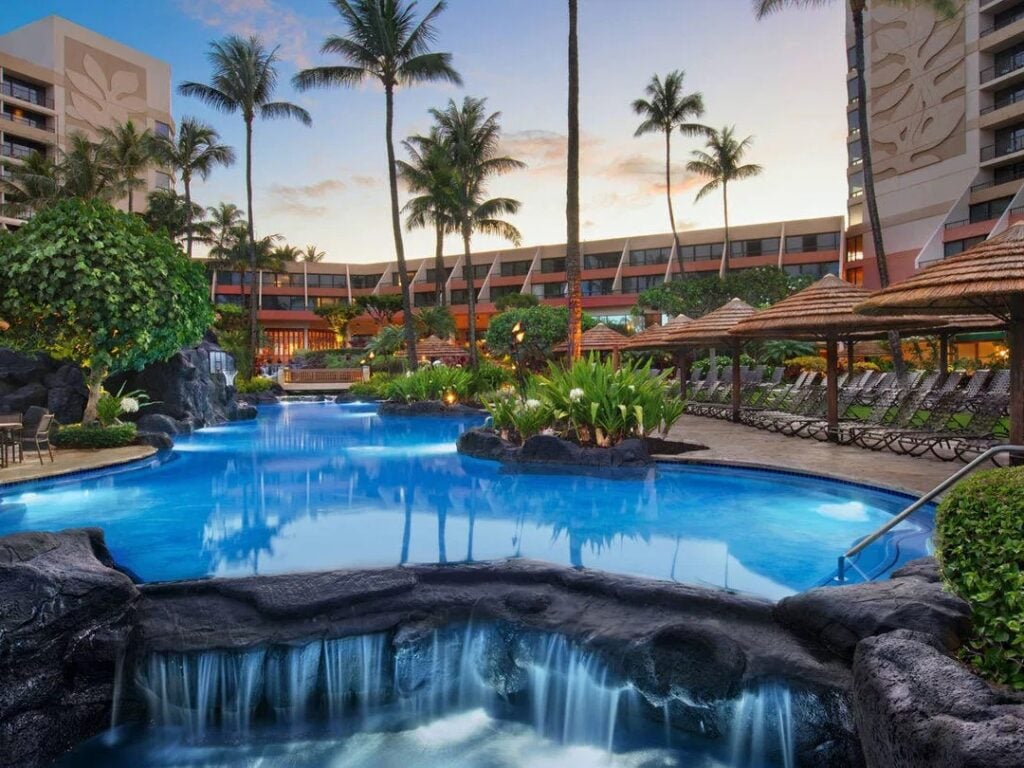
{"x": 879, "y": 652}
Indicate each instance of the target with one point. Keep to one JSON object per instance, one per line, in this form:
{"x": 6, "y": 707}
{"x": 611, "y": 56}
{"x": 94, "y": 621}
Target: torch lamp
{"x": 518, "y": 337}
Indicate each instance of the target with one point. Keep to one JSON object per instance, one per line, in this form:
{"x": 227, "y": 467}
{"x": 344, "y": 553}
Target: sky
{"x": 781, "y": 80}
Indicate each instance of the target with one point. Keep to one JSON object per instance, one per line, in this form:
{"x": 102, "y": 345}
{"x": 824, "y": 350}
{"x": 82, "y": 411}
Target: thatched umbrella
{"x": 600, "y": 338}
{"x": 987, "y": 279}
{"x": 656, "y": 337}
{"x": 712, "y": 330}
{"x": 433, "y": 348}
{"x": 824, "y": 311}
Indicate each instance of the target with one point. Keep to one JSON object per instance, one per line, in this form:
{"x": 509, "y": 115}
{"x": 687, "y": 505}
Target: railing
{"x": 1003, "y": 68}
{"x": 322, "y": 375}
{"x": 1003, "y": 22}
{"x": 25, "y": 94}
{"x": 17, "y": 151}
{"x": 945, "y": 485}
{"x": 958, "y": 223}
{"x": 1013, "y": 98}
{"x": 26, "y": 121}
{"x": 993, "y": 151}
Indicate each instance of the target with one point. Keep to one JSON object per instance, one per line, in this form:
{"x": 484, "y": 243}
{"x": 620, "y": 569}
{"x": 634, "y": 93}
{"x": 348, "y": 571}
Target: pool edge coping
{"x": 148, "y": 453}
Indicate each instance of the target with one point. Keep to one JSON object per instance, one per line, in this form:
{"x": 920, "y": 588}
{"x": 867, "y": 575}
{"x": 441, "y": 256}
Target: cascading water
{"x": 568, "y": 694}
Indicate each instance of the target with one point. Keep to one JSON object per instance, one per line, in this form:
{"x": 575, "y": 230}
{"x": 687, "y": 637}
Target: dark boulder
{"x": 258, "y": 398}
{"x": 65, "y": 617}
{"x": 425, "y": 408}
{"x": 915, "y": 707}
{"x": 23, "y": 397}
{"x": 548, "y": 449}
{"x": 19, "y": 369}
{"x": 483, "y": 444}
{"x": 159, "y": 440}
{"x": 67, "y": 394}
{"x": 242, "y": 412}
{"x": 159, "y": 422}
{"x": 840, "y": 617}
{"x": 553, "y": 450}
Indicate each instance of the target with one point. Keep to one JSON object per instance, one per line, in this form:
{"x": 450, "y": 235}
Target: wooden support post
{"x": 832, "y": 384}
{"x": 736, "y": 381}
{"x": 683, "y": 368}
{"x": 849, "y": 358}
{"x": 944, "y": 353}
{"x": 1015, "y": 337}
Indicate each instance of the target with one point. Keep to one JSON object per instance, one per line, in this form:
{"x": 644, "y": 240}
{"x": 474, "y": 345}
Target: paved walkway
{"x": 68, "y": 460}
{"x": 731, "y": 443}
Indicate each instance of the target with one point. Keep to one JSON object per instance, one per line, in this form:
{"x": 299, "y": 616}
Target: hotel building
{"x": 57, "y": 78}
{"x": 946, "y": 104}
{"x": 615, "y": 271}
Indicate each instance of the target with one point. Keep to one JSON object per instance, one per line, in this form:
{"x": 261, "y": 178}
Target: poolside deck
{"x": 739, "y": 444}
{"x": 69, "y": 461}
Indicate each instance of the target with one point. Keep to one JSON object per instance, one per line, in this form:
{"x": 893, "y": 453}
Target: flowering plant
{"x": 110, "y": 407}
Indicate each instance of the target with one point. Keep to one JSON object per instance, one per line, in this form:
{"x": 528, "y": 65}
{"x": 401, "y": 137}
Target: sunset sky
{"x": 781, "y": 80}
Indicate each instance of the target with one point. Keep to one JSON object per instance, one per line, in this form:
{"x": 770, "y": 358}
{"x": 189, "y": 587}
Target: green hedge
{"x": 980, "y": 543}
{"x": 255, "y": 385}
{"x": 77, "y": 436}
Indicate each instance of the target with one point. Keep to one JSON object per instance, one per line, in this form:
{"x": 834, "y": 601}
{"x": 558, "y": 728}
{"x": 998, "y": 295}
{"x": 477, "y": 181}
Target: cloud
{"x": 271, "y": 20}
{"x": 545, "y": 152}
{"x": 302, "y": 199}
{"x": 362, "y": 180}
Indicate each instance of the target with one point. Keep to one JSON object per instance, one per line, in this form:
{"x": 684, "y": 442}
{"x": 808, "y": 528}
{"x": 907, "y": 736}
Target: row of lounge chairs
{"x": 952, "y": 416}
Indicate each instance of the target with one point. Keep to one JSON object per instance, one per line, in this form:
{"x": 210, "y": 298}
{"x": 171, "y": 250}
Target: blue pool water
{"x": 318, "y": 486}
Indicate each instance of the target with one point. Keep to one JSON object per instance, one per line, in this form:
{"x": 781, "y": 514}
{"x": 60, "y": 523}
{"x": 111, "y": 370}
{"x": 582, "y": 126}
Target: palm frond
{"x": 283, "y": 109}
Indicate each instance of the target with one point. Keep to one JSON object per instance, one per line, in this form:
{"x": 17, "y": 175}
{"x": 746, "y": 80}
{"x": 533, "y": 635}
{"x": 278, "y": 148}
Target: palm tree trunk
{"x": 874, "y": 220}
{"x": 254, "y": 332}
{"x": 668, "y": 197}
{"x": 723, "y": 268}
{"x": 396, "y": 225}
{"x": 187, "y": 181}
{"x": 439, "y": 276}
{"x": 471, "y": 294}
{"x": 131, "y": 190}
{"x": 572, "y": 197}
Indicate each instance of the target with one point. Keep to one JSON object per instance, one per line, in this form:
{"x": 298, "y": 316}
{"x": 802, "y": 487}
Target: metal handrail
{"x": 1015, "y": 450}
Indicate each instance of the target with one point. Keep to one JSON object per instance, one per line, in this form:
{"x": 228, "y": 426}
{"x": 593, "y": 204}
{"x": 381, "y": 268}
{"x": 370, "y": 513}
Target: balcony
{"x": 1001, "y": 69}
{"x": 29, "y": 95}
{"x": 1002, "y": 149}
{"x": 26, "y": 121}
{"x": 17, "y": 151}
{"x": 1003, "y": 21}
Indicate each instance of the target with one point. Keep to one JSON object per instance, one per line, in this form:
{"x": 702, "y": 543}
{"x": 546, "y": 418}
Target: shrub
{"x": 78, "y": 436}
{"x": 376, "y": 387}
{"x": 866, "y": 366}
{"x": 430, "y": 382}
{"x": 255, "y": 385}
{"x": 980, "y": 545}
{"x": 489, "y": 377}
{"x": 518, "y": 418}
{"x": 807, "y": 363}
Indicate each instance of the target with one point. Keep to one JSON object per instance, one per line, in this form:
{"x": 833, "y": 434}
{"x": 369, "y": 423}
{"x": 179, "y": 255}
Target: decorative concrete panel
{"x": 102, "y": 89}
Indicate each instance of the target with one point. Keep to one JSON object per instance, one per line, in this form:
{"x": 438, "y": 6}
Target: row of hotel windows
{"x": 295, "y": 279}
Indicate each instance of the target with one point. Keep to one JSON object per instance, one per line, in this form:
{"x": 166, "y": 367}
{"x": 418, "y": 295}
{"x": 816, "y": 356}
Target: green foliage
{"x": 519, "y": 417}
{"x": 488, "y": 377}
{"x": 381, "y": 307}
{"x": 435, "y": 321}
{"x": 255, "y": 385}
{"x": 807, "y": 363}
{"x": 388, "y": 341}
{"x": 111, "y": 406}
{"x": 699, "y": 294}
{"x": 90, "y": 283}
{"x": 231, "y": 325}
{"x": 430, "y": 382}
{"x": 777, "y": 351}
{"x": 980, "y": 544}
{"x": 375, "y": 388}
{"x": 338, "y": 317}
{"x": 865, "y": 366}
{"x": 545, "y": 327}
{"x": 515, "y": 301}
{"x": 79, "y": 436}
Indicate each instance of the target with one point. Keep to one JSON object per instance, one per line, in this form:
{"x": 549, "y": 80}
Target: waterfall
{"x": 761, "y": 727}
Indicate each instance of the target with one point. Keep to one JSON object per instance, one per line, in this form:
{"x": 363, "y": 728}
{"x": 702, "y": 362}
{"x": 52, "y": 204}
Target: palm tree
{"x": 384, "y": 42}
{"x": 244, "y": 80}
{"x": 473, "y": 138}
{"x": 224, "y": 220}
{"x": 429, "y": 172}
{"x": 574, "y": 338}
{"x": 722, "y": 163}
{"x": 312, "y": 254}
{"x": 668, "y": 108}
{"x": 30, "y": 185}
{"x": 130, "y": 152}
{"x": 167, "y": 210}
{"x": 195, "y": 152}
{"x": 85, "y": 170}
{"x": 288, "y": 253}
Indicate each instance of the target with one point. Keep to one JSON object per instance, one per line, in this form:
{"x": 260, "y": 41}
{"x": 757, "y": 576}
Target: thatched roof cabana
{"x": 987, "y": 279}
{"x": 600, "y": 338}
{"x": 433, "y": 348}
{"x": 656, "y": 336}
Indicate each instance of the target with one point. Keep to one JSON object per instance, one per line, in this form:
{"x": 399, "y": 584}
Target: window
{"x": 432, "y": 274}
{"x": 549, "y": 290}
{"x": 647, "y": 256}
{"x": 19, "y": 115}
{"x": 1009, "y": 60}
{"x": 701, "y": 252}
{"x": 851, "y": 57}
{"x": 856, "y": 184}
{"x": 854, "y": 155}
{"x": 285, "y": 280}
{"x": 991, "y": 209}
{"x": 853, "y": 121}
{"x": 460, "y": 296}
{"x": 162, "y": 180}
{"x": 638, "y": 283}
{"x": 597, "y": 287}
{"x": 365, "y": 281}
{"x": 20, "y": 89}
{"x": 854, "y": 248}
{"x": 549, "y": 266}
{"x": 954, "y": 247}
{"x": 285, "y": 303}
{"x": 321, "y": 280}
{"x": 1008, "y": 140}
{"x": 479, "y": 271}
{"x": 816, "y": 270}
{"x": 1007, "y": 96}
{"x": 20, "y": 148}
{"x": 855, "y": 275}
{"x": 396, "y": 277}
{"x": 851, "y": 89}
{"x": 503, "y": 290}
{"x": 162, "y": 129}
{"x": 601, "y": 260}
{"x": 228, "y": 298}
{"x": 513, "y": 268}
{"x": 229, "y": 278}
{"x": 768, "y": 246}
{"x": 424, "y": 299}
{"x": 1007, "y": 173}
{"x": 327, "y": 301}
{"x": 827, "y": 241}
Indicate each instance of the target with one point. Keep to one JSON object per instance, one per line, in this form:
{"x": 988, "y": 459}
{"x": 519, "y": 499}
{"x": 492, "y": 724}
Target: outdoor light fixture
{"x": 518, "y": 337}
{"x": 371, "y": 355}
{"x": 450, "y": 398}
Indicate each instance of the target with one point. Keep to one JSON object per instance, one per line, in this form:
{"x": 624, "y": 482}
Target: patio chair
{"x": 9, "y": 422}
{"x": 39, "y": 439}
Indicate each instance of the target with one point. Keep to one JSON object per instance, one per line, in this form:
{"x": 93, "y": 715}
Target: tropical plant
{"x": 194, "y": 152}
{"x": 231, "y": 326}
{"x": 515, "y": 301}
{"x": 777, "y": 351}
{"x": 720, "y": 164}
{"x": 129, "y": 152}
{"x": 254, "y": 385}
{"x": 574, "y": 333}
{"x": 312, "y": 255}
{"x": 806, "y": 363}
{"x": 225, "y": 220}
{"x": 287, "y": 253}
{"x": 244, "y": 80}
{"x": 383, "y": 41}
{"x": 375, "y": 388}
{"x": 699, "y": 294}
{"x": 435, "y": 321}
{"x": 430, "y": 174}
{"x": 668, "y": 108}
{"x": 113, "y": 297}
{"x": 90, "y": 437}
{"x": 519, "y": 416}
{"x": 545, "y": 327}
{"x": 111, "y": 407}
{"x": 382, "y": 307}
{"x": 30, "y": 185}
{"x": 387, "y": 341}
{"x": 430, "y": 382}
{"x": 168, "y": 211}
{"x": 338, "y": 317}
{"x": 473, "y": 138}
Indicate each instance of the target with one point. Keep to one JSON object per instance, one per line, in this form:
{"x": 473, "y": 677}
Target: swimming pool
{"x": 320, "y": 486}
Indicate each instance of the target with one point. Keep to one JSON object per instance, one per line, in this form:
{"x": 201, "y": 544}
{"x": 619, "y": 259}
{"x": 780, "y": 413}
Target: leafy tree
{"x": 699, "y": 294}
{"x": 387, "y": 341}
{"x": 435, "y": 321}
{"x": 572, "y": 196}
{"x": 195, "y": 151}
{"x": 384, "y": 42}
{"x": 130, "y": 152}
{"x": 545, "y": 327}
{"x": 668, "y": 108}
{"x": 311, "y": 254}
{"x": 338, "y": 317}
{"x": 474, "y": 140}
{"x": 231, "y": 326}
{"x": 244, "y": 80}
{"x": 382, "y": 307}
{"x": 286, "y": 253}
{"x": 515, "y": 301}
{"x": 722, "y": 163}
{"x": 168, "y": 211}
{"x": 94, "y": 285}
{"x": 224, "y": 219}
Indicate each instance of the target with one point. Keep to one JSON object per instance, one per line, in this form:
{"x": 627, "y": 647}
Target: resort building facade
{"x": 58, "y": 78}
{"x": 614, "y": 272}
{"x": 946, "y": 107}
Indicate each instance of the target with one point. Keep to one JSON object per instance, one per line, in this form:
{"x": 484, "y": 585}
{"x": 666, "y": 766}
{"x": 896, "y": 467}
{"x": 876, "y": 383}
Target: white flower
{"x": 575, "y": 394}
{"x": 437, "y": 363}
{"x": 531, "y": 403}
{"x": 129, "y": 405}
{"x": 632, "y": 388}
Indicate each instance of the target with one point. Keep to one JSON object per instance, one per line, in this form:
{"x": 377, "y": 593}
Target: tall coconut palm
{"x": 85, "y": 170}
{"x": 166, "y": 210}
{"x": 721, "y": 164}
{"x": 944, "y": 8}
{"x": 244, "y": 81}
{"x": 473, "y": 138}
{"x": 224, "y": 219}
{"x": 669, "y": 108}
{"x": 312, "y": 254}
{"x": 30, "y": 185}
{"x": 383, "y": 41}
{"x": 574, "y": 338}
{"x": 429, "y": 172}
{"x": 130, "y": 152}
{"x": 286, "y": 253}
{"x": 195, "y": 151}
